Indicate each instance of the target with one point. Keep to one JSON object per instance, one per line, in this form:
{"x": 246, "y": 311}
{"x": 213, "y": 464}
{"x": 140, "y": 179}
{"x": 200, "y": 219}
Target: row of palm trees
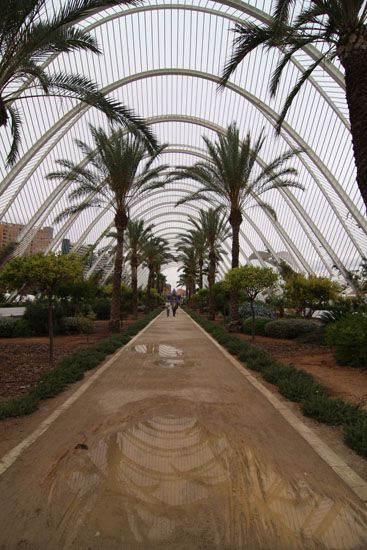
{"x": 120, "y": 171}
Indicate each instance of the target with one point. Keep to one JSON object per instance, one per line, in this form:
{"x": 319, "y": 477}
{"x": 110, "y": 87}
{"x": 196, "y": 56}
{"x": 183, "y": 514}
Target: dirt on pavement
{"x": 173, "y": 448}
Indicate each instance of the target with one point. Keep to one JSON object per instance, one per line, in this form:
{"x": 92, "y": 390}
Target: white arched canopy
{"x": 164, "y": 60}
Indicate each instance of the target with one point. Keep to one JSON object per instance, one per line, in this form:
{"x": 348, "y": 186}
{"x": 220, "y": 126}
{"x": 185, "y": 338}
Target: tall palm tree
{"x": 116, "y": 175}
{"x": 136, "y": 236}
{"x": 214, "y": 226}
{"x": 155, "y": 253}
{"x": 229, "y": 176}
{"x": 188, "y": 257}
{"x": 340, "y": 28}
{"x": 196, "y": 238}
{"x": 30, "y": 32}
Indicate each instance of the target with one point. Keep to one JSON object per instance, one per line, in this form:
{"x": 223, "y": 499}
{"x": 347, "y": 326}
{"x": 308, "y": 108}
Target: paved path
{"x": 172, "y": 448}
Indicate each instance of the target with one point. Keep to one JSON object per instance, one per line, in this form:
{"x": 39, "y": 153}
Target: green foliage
{"x": 77, "y": 325}
{"x": 22, "y": 329}
{"x": 36, "y": 317}
{"x": 289, "y": 328}
{"x": 70, "y": 369}
{"x": 355, "y": 435}
{"x": 201, "y": 298}
{"x": 310, "y": 293}
{"x": 349, "y": 336}
{"x": 7, "y": 326}
{"x": 221, "y": 298}
{"x": 251, "y": 279}
{"x": 260, "y": 323}
{"x": 298, "y": 386}
{"x": 330, "y": 411}
{"x": 102, "y": 308}
{"x": 40, "y": 273}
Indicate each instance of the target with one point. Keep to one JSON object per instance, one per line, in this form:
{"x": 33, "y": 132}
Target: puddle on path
{"x": 164, "y": 355}
{"x": 168, "y": 480}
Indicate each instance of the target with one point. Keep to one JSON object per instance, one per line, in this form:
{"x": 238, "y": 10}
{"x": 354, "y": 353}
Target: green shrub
{"x": 289, "y": 328}
{"x": 77, "y": 325}
{"x": 349, "y": 336}
{"x": 36, "y": 315}
{"x": 19, "y": 406}
{"x": 355, "y": 435}
{"x": 22, "y": 329}
{"x": 7, "y": 326}
{"x": 329, "y": 411}
{"x": 102, "y": 308}
{"x": 260, "y": 323}
{"x": 299, "y": 385}
{"x": 275, "y": 372}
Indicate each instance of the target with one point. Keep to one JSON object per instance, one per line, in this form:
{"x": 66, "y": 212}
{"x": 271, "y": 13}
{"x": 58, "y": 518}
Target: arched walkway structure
{"x": 164, "y": 59}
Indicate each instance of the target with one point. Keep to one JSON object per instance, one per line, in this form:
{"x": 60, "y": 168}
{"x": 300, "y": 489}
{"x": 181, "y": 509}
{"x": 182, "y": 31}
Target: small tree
{"x": 252, "y": 280}
{"x": 43, "y": 274}
{"x": 310, "y": 294}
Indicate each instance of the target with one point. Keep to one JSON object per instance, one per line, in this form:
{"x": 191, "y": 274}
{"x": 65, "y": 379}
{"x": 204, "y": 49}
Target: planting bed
{"x": 345, "y": 382}
{"x": 24, "y": 360}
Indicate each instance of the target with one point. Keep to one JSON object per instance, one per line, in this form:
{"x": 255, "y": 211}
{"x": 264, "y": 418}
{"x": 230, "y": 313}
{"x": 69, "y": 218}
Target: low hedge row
{"x": 296, "y": 385}
{"x": 70, "y": 369}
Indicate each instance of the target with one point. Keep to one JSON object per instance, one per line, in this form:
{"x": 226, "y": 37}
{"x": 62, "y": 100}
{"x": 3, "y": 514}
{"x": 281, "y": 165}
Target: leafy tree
{"x": 230, "y": 177}
{"x": 338, "y": 29}
{"x": 44, "y": 274}
{"x": 30, "y": 32}
{"x": 252, "y": 280}
{"x": 136, "y": 236}
{"x": 117, "y": 174}
{"x": 188, "y": 257}
{"x": 310, "y": 294}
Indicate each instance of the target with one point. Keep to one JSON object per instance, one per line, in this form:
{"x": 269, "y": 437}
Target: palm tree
{"x": 213, "y": 226}
{"x": 29, "y": 35}
{"x": 188, "y": 257}
{"x": 136, "y": 236}
{"x": 116, "y": 175}
{"x": 340, "y": 26}
{"x": 155, "y": 253}
{"x": 229, "y": 177}
{"x": 196, "y": 238}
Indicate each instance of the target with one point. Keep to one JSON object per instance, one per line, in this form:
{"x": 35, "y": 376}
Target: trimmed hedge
{"x": 260, "y": 324}
{"x": 296, "y": 385}
{"x": 70, "y": 369}
{"x": 289, "y": 328}
{"x": 7, "y": 326}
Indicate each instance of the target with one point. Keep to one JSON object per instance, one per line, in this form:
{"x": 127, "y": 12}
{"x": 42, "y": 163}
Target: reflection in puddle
{"x": 168, "y": 356}
{"x": 168, "y": 479}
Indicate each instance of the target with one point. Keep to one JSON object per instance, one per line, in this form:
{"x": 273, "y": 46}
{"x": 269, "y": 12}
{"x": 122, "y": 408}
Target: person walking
{"x": 167, "y": 306}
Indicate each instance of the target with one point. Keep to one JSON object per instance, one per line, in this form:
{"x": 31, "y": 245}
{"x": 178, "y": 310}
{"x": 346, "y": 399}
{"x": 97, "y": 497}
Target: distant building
{"x": 65, "y": 246}
{"x": 181, "y": 292}
{"x": 167, "y": 289}
{"x": 9, "y": 232}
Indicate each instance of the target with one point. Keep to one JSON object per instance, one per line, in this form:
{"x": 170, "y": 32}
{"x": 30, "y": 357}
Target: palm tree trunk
{"x": 356, "y": 94}
{"x": 201, "y": 262}
{"x": 134, "y": 285}
{"x": 235, "y": 220}
{"x": 120, "y": 223}
{"x": 211, "y": 282}
{"x": 149, "y": 286}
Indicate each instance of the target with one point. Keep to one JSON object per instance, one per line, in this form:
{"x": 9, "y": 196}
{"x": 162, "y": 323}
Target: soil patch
{"x": 24, "y": 360}
{"x": 345, "y": 382}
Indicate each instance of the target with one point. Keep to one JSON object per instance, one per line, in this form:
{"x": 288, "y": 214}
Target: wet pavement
{"x": 172, "y": 448}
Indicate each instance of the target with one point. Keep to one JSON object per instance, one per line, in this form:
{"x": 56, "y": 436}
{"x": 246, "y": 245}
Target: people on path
{"x": 167, "y": 305}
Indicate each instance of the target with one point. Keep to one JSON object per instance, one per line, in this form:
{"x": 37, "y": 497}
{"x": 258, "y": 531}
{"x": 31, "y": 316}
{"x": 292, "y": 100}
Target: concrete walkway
{"x": 171, "y": 447}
